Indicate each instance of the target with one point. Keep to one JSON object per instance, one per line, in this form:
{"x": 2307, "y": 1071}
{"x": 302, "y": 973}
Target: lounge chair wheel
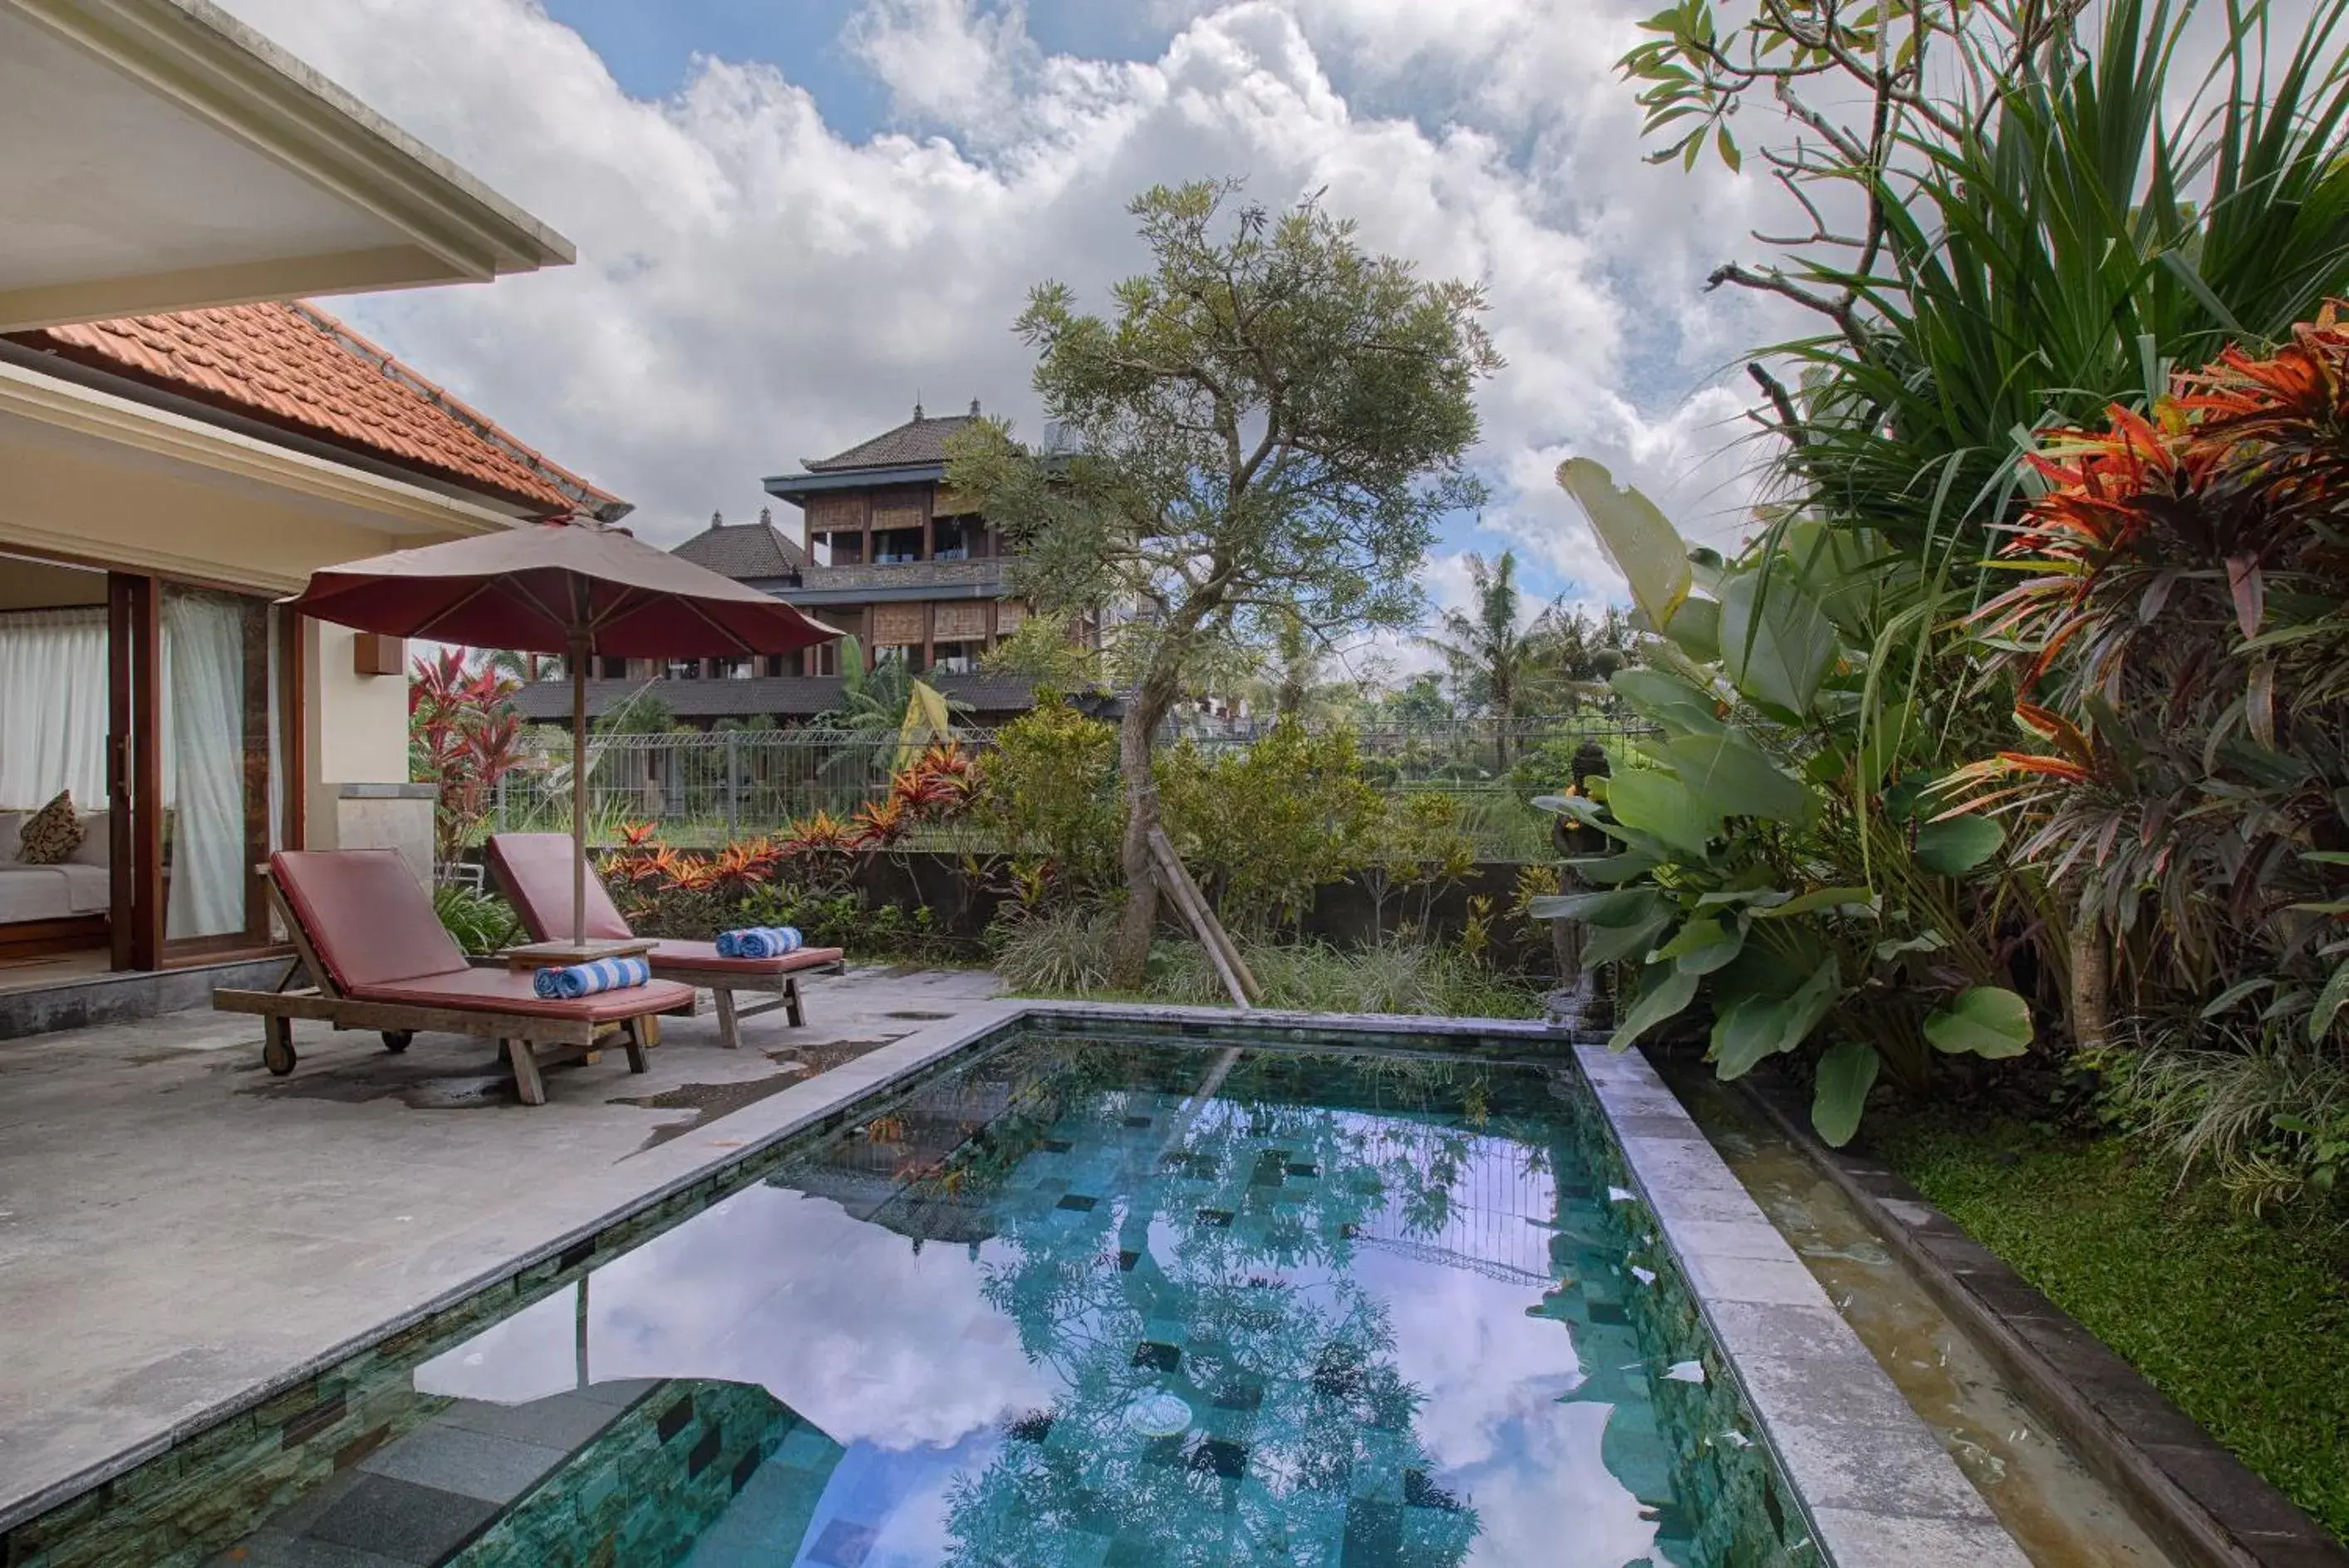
{"x": 397, "y": 1039}
{"x": 277, "y": 1050}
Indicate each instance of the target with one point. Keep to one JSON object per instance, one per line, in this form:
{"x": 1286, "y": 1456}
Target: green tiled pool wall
{"x": 1735, "y": 1508}
{"x": 648, "y": 1487}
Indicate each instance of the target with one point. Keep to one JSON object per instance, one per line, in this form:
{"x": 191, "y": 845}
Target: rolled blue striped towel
{"x": 758, "y": 942}
{"x": 578, "y": 979}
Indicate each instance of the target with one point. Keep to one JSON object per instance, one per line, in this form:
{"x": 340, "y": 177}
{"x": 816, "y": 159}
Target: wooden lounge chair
{"x": 534, "y": 870}
{"x": 378, "y": 958}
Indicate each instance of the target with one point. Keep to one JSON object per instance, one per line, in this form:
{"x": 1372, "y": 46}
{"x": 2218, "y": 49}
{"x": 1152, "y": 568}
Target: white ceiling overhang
{"x": 163, "y": 155}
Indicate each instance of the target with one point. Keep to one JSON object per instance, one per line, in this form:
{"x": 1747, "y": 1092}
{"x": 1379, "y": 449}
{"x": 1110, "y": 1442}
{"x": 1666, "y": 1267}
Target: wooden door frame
{"x": 135, "y": 777}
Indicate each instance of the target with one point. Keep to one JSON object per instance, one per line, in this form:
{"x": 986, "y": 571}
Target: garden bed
{"x": 2240, "y": 1320}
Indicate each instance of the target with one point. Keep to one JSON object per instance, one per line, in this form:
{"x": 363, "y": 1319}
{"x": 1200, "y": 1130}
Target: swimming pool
{"x": 1075, "y": 1299}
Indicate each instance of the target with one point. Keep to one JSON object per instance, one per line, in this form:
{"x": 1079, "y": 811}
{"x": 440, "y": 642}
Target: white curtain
{"x": 204, "y": 637}
{"x": 53, "y": 688}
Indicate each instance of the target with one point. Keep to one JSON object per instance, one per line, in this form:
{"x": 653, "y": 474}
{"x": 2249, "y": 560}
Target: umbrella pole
{"x": 579, "y": 790}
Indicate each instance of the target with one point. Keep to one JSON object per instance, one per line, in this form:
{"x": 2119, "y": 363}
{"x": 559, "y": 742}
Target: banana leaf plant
{"x": 1773, "y": 852}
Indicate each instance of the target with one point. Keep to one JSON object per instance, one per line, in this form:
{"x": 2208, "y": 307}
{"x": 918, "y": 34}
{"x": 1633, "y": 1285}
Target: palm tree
{"x": 526, "y": 667}
{"x": 1497, "y": 666}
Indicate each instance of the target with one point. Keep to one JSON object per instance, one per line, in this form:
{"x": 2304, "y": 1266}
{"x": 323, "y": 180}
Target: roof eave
{"x": 792, "y": 486}
{"x": 212, "y": 66}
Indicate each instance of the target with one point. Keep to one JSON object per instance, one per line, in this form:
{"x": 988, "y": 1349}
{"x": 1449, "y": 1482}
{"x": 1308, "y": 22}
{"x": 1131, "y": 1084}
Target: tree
{"x": 1292, "y": 680}
{"x": 1498, "y": 666}
{"x": 522, "y": 668}
{"x": 1418, "y": 704}
{"x": 1270, "y": 425}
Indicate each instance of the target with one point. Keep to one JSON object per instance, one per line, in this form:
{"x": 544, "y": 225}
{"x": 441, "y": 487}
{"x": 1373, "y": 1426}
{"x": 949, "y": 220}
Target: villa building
{"x": 183, "y": 446}
{"x": 886, "y": 550}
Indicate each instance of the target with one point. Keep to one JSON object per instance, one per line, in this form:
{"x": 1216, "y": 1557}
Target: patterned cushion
{"x": 50, "y": 834}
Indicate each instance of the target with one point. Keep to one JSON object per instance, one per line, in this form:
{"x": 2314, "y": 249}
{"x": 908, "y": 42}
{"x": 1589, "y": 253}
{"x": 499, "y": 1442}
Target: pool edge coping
{"x": 1875, "y": 1482}
{"x": 1715, "y": 1232}
{"x": 2208, "y": 1513}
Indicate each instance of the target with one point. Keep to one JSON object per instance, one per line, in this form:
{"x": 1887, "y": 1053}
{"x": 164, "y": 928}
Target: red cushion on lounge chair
{"x": 508, "y": 990}
{"x": 705, "y": 955}
{"x": 367, "y": 916}
{"x": 535, "y": 869}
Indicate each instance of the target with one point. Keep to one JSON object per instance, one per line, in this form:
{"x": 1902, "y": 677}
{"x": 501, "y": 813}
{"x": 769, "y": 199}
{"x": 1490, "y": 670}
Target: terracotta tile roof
{"x": 918, "y": 441}
{"x": 296, "y": 366}
{"x": 743, "y": 551}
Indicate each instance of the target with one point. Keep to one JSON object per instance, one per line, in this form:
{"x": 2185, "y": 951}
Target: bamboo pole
{"x": 1221, "y": 952}
{"x": 1231, "y": 947}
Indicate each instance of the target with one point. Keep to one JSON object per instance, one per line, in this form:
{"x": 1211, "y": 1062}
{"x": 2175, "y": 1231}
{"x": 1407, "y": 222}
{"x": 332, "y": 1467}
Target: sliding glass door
{"x": 201, "y": 735}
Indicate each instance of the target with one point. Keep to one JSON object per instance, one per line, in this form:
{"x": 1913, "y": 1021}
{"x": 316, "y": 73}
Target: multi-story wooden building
{"x": 893, "y": 555}
{"x": 886, "y": 551}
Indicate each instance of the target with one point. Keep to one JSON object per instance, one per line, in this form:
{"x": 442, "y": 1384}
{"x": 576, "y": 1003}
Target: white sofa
{"x": 77, "y": 889}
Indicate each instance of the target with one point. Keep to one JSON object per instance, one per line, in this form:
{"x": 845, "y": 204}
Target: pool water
{"x": 1089, "y": 1304}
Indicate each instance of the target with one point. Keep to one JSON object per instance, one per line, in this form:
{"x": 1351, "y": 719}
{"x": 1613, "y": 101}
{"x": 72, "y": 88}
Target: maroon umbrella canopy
{"x": 556, "y": 588}
{"x": 559, "y": 588}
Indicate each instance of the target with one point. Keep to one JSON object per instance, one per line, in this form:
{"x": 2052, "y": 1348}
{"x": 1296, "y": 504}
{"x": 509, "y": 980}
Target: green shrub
{"x": 481, "y": 922}
{"x": 1047, "y": 791}
{"x": 852, "y": 922}
{"x": 1067, "y": 954}
{"x": 1267, "y": 824}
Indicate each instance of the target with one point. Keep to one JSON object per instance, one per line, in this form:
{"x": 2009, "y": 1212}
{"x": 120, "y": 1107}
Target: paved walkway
{"x": 176, "y": 1225}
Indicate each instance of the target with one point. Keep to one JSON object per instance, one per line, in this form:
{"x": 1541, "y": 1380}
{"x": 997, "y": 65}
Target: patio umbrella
{"x": 574, "y": 589}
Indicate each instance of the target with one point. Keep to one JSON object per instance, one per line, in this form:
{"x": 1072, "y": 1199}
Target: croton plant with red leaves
{"x": 818, "y": 848}
{"x": 464, "y": 735}
{"x": 2179, "y": 641}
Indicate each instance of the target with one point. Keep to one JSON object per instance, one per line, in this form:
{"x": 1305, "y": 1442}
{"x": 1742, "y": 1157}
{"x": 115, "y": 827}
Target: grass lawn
{"x": 2244, "y": 1324}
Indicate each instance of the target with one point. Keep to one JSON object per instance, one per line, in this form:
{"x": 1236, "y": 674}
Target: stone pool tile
{"x": 620, "y": 1392}
{"x": 1896, "y": 1471}
{"x": 1742, "y": 1237}
{"x": 1844, "y": 1389}
{"x": 1671, "y": 1125}
{"x": 1746, "y": 1328}
{"x": 1888, "y": 1540}
{"x": 565, "y": 1421}
{"x": 274, "y": 1549}
{"x": 1780, "y": 1282}
{"x": 470, "y": 1464}
{"x": 1677, "y": 1206}
{"x": 406, "y": 1522}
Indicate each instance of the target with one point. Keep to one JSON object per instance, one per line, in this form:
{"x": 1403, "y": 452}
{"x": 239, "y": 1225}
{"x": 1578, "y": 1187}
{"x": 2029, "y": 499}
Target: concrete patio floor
{"x": 177, "y": 1226}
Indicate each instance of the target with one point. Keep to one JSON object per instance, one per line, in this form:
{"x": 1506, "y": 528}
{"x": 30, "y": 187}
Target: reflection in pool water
{"x": 1343, "y": 1271}
{"x": 1080, "y": 1302}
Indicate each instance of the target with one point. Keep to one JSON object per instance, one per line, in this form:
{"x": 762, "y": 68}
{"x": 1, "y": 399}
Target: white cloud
{"x": 753, "y": 287}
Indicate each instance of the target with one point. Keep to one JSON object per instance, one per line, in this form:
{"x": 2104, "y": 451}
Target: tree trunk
{"x": 1137, "y": 741}
{"x": 2091, "y": 978}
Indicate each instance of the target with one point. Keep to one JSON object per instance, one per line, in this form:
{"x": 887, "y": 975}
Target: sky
{"x": 795, "y": 218}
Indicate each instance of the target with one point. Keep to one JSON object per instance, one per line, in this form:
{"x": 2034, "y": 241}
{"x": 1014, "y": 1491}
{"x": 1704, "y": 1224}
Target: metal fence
{"x": 708, "y": 788}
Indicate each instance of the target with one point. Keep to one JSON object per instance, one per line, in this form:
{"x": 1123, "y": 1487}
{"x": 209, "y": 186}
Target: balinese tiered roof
{"x": 293, "y": 366}
{"x": 747, "y": 551}
{"x": 918, "y": 441}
